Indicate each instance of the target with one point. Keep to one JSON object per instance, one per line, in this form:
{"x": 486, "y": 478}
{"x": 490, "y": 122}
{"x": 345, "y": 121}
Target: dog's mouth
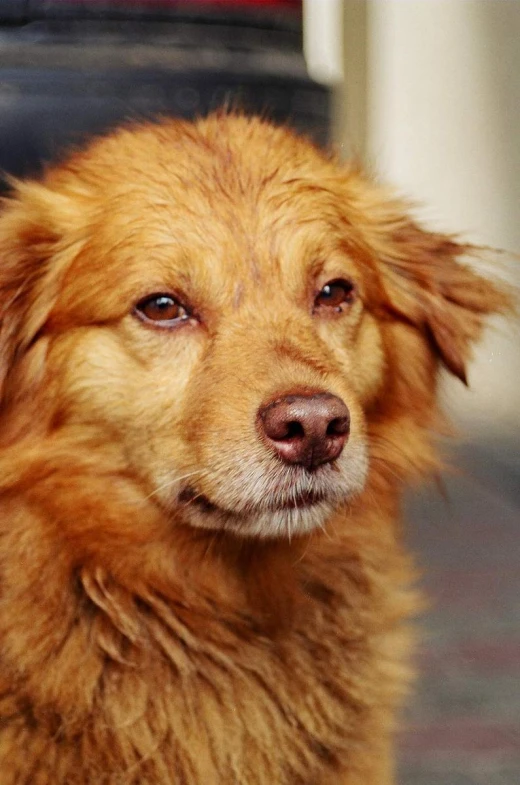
{"x": 299, "y": 501}
{"x": 276, "y": 516}
{"x": 252, "y": 501}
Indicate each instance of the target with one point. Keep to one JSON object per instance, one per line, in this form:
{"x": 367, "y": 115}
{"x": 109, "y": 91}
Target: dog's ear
{"x": 424, "y": 278}
{"x": 33, "y": 223}
{"x": 428, "y": 285}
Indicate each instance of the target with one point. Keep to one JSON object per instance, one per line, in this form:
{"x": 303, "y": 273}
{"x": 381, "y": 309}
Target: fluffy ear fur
{"x": 33, "y": 222}
{"x": 426, "y": 284}
{"x": 429, "y": 286}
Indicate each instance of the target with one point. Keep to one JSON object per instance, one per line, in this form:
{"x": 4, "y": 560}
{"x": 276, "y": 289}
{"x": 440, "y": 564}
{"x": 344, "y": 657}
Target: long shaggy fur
{"x": 166, "y": 616}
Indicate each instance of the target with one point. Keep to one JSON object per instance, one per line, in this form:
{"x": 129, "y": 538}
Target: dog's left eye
{"x": 163, "y": 309}
{"x": 335, "y": 295}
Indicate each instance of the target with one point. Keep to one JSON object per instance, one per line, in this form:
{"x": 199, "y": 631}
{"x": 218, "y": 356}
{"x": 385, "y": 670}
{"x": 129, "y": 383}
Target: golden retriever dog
{"x": 219, "y": 353}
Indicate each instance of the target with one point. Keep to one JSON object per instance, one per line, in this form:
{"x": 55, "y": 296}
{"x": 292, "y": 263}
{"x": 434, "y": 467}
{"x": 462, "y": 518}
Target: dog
{"x": 219, "y": 354}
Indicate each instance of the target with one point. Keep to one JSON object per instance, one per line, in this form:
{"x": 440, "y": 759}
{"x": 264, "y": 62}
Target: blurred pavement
{"x": 462, "y": 726}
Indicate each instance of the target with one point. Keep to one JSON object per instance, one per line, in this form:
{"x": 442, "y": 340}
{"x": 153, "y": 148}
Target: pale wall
{"x": 442, "y": 120}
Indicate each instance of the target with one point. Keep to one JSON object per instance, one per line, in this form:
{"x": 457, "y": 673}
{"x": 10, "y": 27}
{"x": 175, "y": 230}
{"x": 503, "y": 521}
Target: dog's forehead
{"x": 216, "y": 204}
{"x": 228, "y": 234}
{"x": 216, "y": 219}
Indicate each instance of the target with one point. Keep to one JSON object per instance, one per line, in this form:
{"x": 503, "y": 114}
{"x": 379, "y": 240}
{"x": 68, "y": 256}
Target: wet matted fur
{"x": 179, "y": 605}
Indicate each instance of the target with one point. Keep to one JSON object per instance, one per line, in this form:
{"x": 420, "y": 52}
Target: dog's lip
{"x": 190, "y": 495}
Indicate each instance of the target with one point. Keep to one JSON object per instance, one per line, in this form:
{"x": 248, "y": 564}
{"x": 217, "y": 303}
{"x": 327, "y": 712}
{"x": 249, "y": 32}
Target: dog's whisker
{"x": 187, "y": 502}
{"x": 174, "y": 481}
{"x": 289, "y": 529}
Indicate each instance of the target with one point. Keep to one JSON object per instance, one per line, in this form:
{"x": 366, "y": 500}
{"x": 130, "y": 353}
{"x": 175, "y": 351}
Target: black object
{"x": 71, "y": 69}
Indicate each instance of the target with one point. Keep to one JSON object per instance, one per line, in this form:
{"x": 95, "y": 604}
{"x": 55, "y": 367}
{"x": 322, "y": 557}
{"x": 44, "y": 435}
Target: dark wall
{"x": 68, "y": 70}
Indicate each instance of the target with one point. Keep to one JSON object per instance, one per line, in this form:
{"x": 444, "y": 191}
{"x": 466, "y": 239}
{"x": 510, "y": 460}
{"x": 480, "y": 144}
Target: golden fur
{"x": 166, "y": 616}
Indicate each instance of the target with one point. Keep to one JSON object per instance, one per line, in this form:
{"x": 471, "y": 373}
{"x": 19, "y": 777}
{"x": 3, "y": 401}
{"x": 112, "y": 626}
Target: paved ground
{"x": 463, "y": 725}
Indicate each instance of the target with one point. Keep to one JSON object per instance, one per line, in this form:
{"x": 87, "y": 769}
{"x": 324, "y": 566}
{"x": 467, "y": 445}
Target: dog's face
{"x": 234, "y": 312}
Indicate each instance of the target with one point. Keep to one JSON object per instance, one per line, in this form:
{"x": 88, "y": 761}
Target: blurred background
{"x": 431, "y": 101}
{"x": 427, "y": 94}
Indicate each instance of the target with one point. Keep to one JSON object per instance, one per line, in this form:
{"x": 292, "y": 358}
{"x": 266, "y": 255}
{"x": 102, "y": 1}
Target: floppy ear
{"x": 424, "y": 280}
{"x": 428, "y": 285}
{"x": 32, "y": 225}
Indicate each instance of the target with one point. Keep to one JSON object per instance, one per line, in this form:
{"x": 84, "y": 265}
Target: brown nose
{"x": 307, "y": 430}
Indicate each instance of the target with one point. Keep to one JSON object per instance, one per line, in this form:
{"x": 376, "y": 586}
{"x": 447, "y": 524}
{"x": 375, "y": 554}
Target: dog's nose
{"x": 307, "y": 430}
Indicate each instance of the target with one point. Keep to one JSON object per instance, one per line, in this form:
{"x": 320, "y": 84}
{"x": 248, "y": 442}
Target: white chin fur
{"x": 265, "y": 524}
{"x": 247, "y": 502}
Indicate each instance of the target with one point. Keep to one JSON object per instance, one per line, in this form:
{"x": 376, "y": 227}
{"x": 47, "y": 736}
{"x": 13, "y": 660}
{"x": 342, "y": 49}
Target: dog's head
{"x": 238, "y": 314}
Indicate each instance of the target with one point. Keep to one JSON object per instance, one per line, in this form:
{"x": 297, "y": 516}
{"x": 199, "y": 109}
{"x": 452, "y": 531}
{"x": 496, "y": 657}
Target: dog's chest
{"x": 232, "y": 704}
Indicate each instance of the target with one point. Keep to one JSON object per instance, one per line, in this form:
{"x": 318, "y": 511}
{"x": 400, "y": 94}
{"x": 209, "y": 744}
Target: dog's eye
{"x": 335, "y": 295}
{"x": 163, "y": 309}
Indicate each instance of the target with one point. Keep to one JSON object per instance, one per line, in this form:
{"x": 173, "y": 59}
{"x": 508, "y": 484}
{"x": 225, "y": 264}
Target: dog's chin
{"x": 297, "y": 516}
{"x": 288, "y": 521}
{"x": 284, "y": 503}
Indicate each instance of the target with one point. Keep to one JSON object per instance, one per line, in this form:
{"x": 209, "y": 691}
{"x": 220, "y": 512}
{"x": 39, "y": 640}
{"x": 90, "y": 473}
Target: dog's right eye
{"x": 162, "y": 309}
